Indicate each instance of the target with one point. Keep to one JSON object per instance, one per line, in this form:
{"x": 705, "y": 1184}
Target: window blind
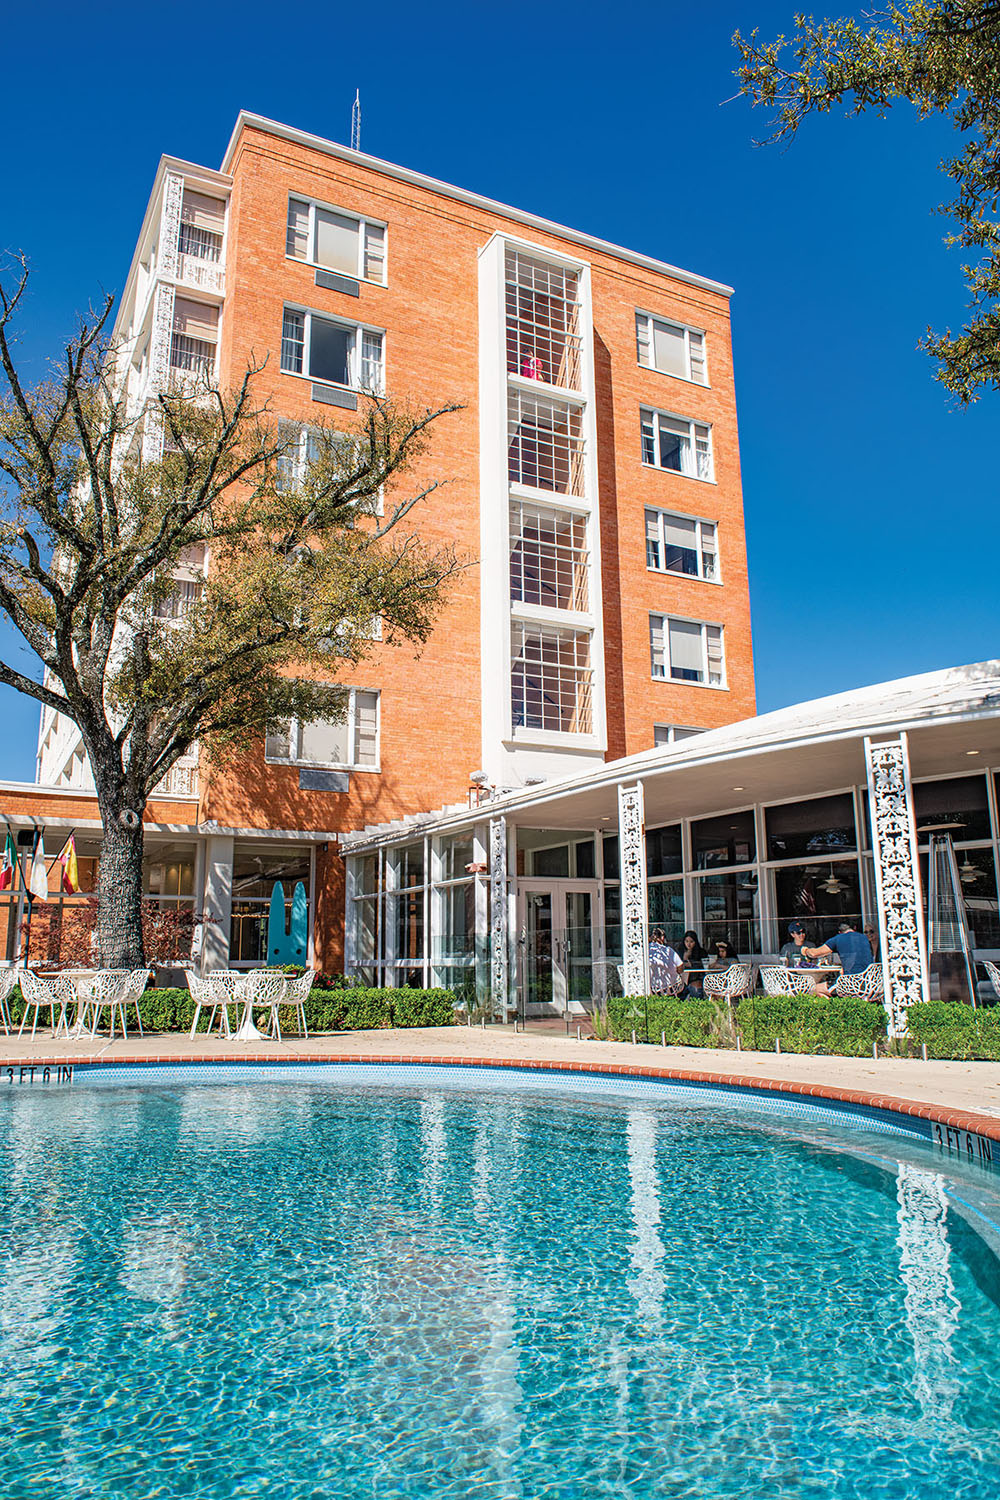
{"x": 203, "y": 212}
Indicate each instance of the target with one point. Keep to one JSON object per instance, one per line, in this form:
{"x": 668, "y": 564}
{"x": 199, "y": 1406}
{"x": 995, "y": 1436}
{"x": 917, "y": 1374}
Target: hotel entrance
{"x": 559, "y": 945}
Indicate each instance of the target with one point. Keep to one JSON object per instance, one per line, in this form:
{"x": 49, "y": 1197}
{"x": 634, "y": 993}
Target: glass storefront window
{"x": 977, "y": 877}
{"x": 817, "y": 895}
{"x": 366, "y": 930}
{"x": 666, "y": 910}
{"x": 410, "y": 865}
{"x": 366, "y": 874}
{"x": 819, "y": 826}
{"x": 729, "y": 911}
{"x": 612, "y": 920}
{"x": 456, "y": 853}
{"x": 663, "y": 851}
{"x": 728, "y": 839}
{"x": 255, "y": 873}
{"x": 612, "y": 862}
{"x": 958, "y": 807}
{"x": 168, "y": 871}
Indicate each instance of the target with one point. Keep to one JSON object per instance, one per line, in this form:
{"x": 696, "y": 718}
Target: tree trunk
{"x": 119, "y": 889}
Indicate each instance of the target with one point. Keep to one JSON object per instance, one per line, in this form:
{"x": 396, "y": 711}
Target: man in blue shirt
{"x": 851, "y": 947}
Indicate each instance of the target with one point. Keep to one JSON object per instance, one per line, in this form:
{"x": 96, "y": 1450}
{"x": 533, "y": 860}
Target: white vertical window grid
{"x": 542, "y": 320}
{"x": 545, "y": 444}
{"x": 551, "y": 680}
{"x": 549, "y": 557}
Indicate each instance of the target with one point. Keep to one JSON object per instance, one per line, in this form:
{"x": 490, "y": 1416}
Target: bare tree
{"x": 302, "y": 565}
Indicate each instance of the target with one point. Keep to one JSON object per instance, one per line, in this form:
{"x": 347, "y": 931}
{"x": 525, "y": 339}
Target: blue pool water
{"x": 302, "y": 1291}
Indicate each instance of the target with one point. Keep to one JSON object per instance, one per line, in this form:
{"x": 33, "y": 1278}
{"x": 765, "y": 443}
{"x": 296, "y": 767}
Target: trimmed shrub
{"x": 844, "y": 1025}
{"x": 950, "y": 1029}
{"x": 685, "y": 1023}
{"x": 422, "y": 1007}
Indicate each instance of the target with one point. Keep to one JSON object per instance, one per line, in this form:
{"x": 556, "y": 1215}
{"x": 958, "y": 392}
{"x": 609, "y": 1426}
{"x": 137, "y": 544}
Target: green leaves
{"x": 943, "y": 59}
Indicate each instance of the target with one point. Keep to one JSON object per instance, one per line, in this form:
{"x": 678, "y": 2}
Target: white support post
{"x": 902, "y": 948}
{"x": 499, "y": 921}
{"x": 218, "y": 903}
{"x": 632, "y": 856}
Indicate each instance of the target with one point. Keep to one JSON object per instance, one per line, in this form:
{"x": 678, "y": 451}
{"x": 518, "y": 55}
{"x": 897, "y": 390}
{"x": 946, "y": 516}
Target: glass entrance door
{"x": 559, "y": 942}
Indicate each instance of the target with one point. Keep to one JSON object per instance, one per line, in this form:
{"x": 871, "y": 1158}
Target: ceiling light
{"x": 739, "y": 788}
{"x": 972, "y": 752}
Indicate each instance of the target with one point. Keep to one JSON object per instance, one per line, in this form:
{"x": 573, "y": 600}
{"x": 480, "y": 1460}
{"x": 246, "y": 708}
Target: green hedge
{"x": 948, "y": 1029}
{"x": 685, "y": 1023}
{"x": 846, "y": 1025}
{"x": 326, "y": 1010}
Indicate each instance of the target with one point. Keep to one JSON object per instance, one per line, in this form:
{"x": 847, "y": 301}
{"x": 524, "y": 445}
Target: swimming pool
{"x": 431, "y": 1288}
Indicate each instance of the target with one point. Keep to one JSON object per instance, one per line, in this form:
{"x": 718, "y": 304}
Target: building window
{"x": 194, "y": 337}
{"x": 203, "y": 220}
{"x": 349, "y": 742}
{"x": 545, "y": 444}
{"x": 337, "y": 353}
{"x": 543, "y": 312}
{"x": 671, "y": 348}
{"x": 551, "y": 680}
{"x": 680, "y": 544}
{"x": 548, "y": 557}
{"x": 337, "y": 242}
{"x": 686, "y": 650}
{"x": 677, "y": 444}
{"x": 670, "y": 734}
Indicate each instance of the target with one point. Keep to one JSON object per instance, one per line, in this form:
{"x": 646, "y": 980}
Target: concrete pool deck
{"x": 963, "y": 1095}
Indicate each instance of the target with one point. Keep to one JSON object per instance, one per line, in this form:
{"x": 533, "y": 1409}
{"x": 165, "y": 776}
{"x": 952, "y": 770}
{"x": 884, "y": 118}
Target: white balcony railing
{"x": 206, "y": 275}
{"x": 180, "y": 781}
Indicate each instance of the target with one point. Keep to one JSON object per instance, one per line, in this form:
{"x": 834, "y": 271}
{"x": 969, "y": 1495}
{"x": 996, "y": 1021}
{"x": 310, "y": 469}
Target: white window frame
{"x": 676, "y": 734}
{"x": 363, "y": 222}
{"x": 295, "y": 740}
{"x": 693, "y": 426}
{"x": 357, "y": 329}
{"x": 299, "y": 434}
{"x": 666, "y": 674}
{"x": 644, "y": 337}
{"x": 662, "y": 515}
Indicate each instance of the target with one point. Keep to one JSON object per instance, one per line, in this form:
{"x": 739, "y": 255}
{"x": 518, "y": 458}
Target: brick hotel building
{"x": 594, "y": 483}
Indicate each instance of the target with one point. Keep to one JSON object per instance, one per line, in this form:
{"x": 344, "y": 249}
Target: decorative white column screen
{"x": 897, "y": 880}
{"x": 632, "y": 855}
{"x": 499, "y": 943}
{"x": 542, "y": 316}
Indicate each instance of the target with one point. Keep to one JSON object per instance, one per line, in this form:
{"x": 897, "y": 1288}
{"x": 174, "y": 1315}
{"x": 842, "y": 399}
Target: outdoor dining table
{"x": 247, "y": 1031}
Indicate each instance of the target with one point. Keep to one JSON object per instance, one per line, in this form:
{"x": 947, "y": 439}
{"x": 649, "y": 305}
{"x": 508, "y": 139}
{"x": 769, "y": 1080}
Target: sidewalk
{"x": 947, "y": 1089}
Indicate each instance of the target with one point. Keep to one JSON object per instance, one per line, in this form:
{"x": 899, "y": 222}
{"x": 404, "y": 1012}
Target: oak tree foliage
{"x": 307, "y": 550}
{"x": 944, "y": 59}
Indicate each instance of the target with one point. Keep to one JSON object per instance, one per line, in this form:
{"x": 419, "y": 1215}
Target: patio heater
{"x": 949, "y": 946}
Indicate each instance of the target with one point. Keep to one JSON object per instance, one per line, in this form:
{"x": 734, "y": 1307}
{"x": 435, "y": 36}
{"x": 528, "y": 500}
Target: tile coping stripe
{"x": 978, "y": 1124}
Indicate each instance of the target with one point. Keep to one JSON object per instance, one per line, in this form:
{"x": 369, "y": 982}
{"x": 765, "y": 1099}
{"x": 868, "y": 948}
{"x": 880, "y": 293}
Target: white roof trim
{"x": 461, "y": 195}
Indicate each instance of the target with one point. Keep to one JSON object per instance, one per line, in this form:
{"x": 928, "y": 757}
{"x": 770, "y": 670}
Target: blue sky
{"x": 613, "y": 120}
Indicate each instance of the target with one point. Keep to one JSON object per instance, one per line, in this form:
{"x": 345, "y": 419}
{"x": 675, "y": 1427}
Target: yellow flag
{"x": 70, "y": 872}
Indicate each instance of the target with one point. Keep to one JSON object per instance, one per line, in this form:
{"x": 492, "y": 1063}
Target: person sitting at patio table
{"x": 794, "y": 953}
{"x": 693, "y": 956}
{"x": 725, "y": 955}
{"x": 664, "y": 964}
{"x": 851, "y": 947}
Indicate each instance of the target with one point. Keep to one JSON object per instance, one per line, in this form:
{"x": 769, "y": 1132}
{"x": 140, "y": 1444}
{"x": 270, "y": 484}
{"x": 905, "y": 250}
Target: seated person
{"x": 664, "y": 965}
{"x": 725, "y": 955}
{"x": 794, "y": 953}
{"x": 693, "y": 956}
{"x": 851, "y": 947}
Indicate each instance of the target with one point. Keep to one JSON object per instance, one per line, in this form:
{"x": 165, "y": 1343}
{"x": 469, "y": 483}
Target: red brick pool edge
{"x": 968, "y": 1121}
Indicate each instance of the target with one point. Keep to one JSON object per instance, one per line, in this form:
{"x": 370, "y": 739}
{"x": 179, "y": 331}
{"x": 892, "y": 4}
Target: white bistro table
{"x": 245, "y": 992}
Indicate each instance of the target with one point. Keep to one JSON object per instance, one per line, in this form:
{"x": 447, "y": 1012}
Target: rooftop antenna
{"x": 356, "y": 122}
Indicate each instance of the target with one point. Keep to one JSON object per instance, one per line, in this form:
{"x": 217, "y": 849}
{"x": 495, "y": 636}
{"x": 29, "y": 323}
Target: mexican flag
{"x": 8, "y": 864}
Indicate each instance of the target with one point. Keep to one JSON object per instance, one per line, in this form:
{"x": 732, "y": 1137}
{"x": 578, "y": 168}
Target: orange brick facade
{"x": 430, "y": 705}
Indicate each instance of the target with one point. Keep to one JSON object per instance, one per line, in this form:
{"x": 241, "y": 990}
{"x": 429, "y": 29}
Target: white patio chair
{"x": 298, "y": 993}
{"x": 8, "y": 984}
{"x": 775, "y": 979}
{"x": 869, "y": 983}
{"x": 109, "y": 987}
{"x": 993, "y": 970}
{"x": 41, "y": 994}
{"x": 209, "y": 990}
{"x": 265, "y": 989}
{"x": 135, "y": 989}
{"x": 729, "y": 984}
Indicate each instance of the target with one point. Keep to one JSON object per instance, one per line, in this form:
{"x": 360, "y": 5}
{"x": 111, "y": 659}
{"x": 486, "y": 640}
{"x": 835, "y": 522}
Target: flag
{"x": 70, "y": 872}
{"x": 8, "y": 864}
{"x": 38, "y": 881}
